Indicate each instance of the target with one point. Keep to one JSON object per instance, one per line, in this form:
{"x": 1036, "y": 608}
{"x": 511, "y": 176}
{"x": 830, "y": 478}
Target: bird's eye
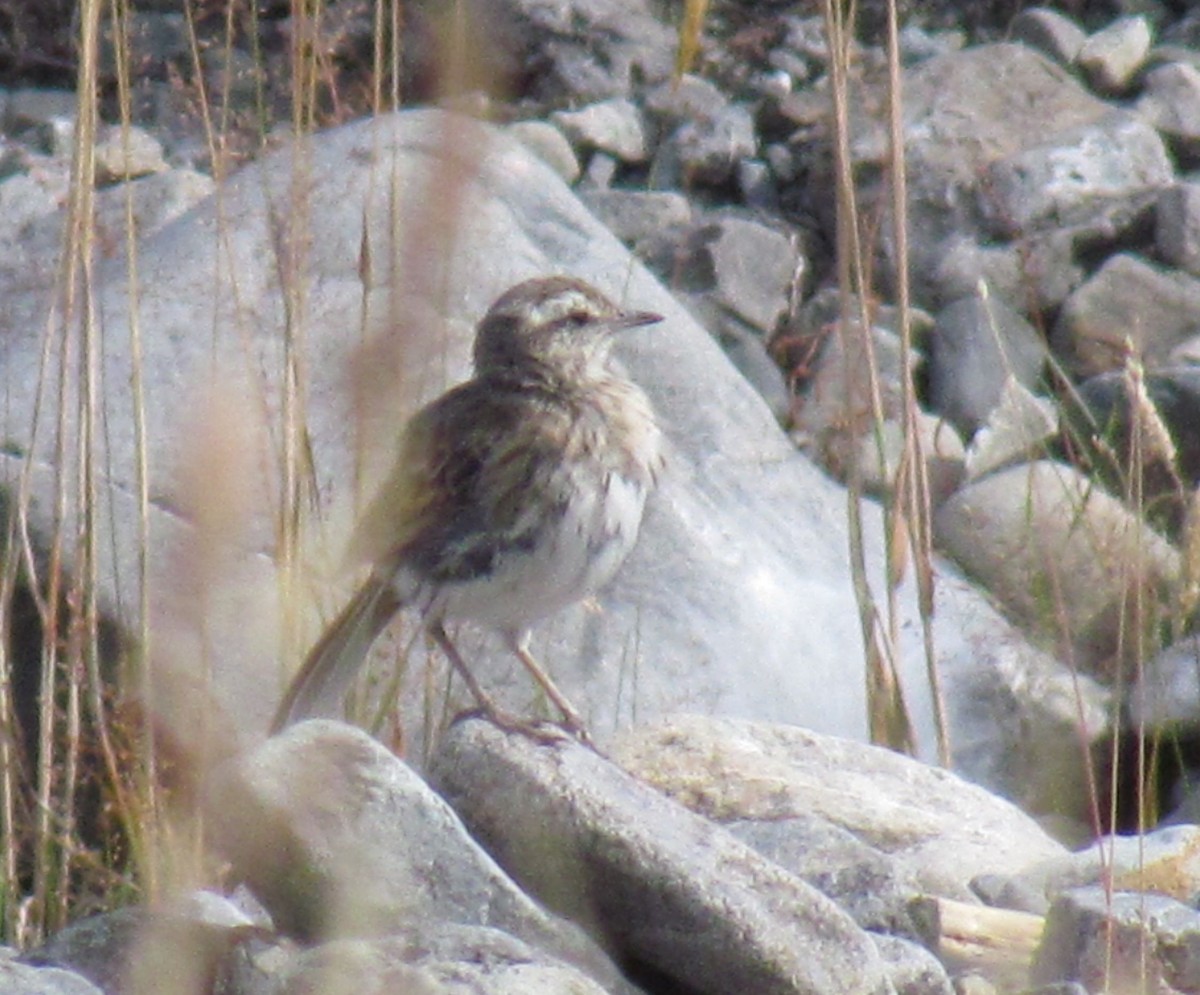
{"x": 578, "y": 318}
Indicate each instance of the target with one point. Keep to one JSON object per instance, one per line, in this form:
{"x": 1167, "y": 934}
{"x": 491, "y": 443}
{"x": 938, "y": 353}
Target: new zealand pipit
{"x": 513, "y": 495}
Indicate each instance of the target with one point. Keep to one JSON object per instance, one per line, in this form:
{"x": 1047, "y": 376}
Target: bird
{"x": 512, "y": 496}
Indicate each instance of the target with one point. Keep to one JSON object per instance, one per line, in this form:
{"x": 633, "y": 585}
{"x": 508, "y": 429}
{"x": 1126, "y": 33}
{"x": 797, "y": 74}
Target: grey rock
{"x": 957, "y": 122}
{"x": 550, "y": 145}
{"x": 1112, "y": 57}
{"x": 689, "y": 98}
{"x": 1059, "y": 555}
{"x": 755, "y": 268}
{"x": 1166, "y": 860}
{"x": 926, "y": 820}
{"x": 746, "y": 350}
{"x": 757, "y": 185}
{"x": 148, "y": 37}
{"x": 1018, "y": 428}
{"x": 32, "y": 108}
{"x": 582, "y": 51}
{"x": 667, "y": 888}
{"x": 600, "y": 172}
{"x": 633, "y": 215}
{"x": 613, "y": 126}
{"x": 1058, "y": 181}
{"x": 1037, "y": 273}
{"x": 440, "y": 959}
{"x": 125, "y": 153}
{"x": 861, "y": 878}
{"x": 1120, "y": 941}
{"x": 881, "y": 455}
{"x": 1171, "y": 103}
{"x": 1177, "y": 226}
{"x": 710, "y": 147}
{"x": 912, "y": 969}
{"x": 141, "y": 949}
{"x": 977, "y": 346}
{"x": 709, "y": 595}
{"x": 1127, "y": 302}
{"x": 22, "y": 979}
{"x": 394, "y": 855}
{"x": 1166, "y": 692}
{"x": 1050, "y": 32}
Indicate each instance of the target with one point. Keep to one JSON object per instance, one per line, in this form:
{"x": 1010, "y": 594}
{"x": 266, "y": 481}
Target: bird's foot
{"x": 540, "y": 730}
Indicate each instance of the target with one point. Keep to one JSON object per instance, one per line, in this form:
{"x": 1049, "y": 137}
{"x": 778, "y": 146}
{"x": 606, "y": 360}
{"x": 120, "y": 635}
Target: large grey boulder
{"x": 399, "y": 232}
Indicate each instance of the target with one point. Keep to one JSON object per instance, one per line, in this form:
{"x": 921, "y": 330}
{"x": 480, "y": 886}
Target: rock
{"x": 1165, "y": 407}
{"x": 21, "y": 979}
{"x": 755, "y": 268}
{"x": 746, "y": 350}
{"x": 1166, "y": 694}
{"x": 923, "y": 819}
{"x": 550, "y": 145}
{"x": 702, "y": 616}
{"x": 393, "y": 855}
{"x": 1059, "y": 554}
{"x": 666, "y": 888}
{"x": 1031, "y": 275}
{"x": 686, "y": 99}
{"x": 437, "y": 960}
{"x": 581, "y": 51}
{"x": 958, "y": 122}
{"x": 1059, "y": 180}
{"x": 35, "y": 108}
{"x": 125, "y": 153}
{"x": 1112, "y": 57}
{"x": 1165, "y": 861}
{"x": 1017, "y": 428}
{"x": 143, "y": 949}
{"x": 1127, "y": 303}
{"x": 977, "y": 346}
{"x": 1119, "y": 941}
{"x": 613, "y": 126}
{"x": 940, "y": 444}
{"x": 634, "y": 215}
{"x": 912, "y": 969}
{"x": 1050, "y": 32}
{"x": 1177, "y": 228}
{"x": 1171, "y": 103}
{"x": 709, "y": 148}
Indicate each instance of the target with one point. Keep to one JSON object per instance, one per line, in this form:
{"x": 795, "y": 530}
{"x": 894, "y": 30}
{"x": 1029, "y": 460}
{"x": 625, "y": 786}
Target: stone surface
{"x": 1177, "y": 226}
{"x": 550, "y": 145}
{"x": 709, "y": 599}
{"x": 441, "y": 960}
{"x": 613, "y": 126}
{"x": 977, "y": 346}
{"x": 338, "y": 838}
{"x": 1017, "y": 428}
{"x": 1111, "y": 57}
{"x": 1059, "y": 179}
{"x": 1059, "y": 554}
{"x": 709, "y": 148}
{"x": 1128, "y": 303}
{"x": 1050, "y": 32}
{"x": 22, "y": 979}
{"x": 928, "y": 822}
{"x": 1120, "y": 942}
{"x": 666, "y": 888}
{"x": 755, "y": 269}
{"x": 1171, "y": 102}
{"x": 633, "y": 215}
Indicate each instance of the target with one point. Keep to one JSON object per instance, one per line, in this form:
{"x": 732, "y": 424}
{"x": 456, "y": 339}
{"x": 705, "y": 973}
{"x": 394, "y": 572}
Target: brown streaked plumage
{"x": 513, "y": 495}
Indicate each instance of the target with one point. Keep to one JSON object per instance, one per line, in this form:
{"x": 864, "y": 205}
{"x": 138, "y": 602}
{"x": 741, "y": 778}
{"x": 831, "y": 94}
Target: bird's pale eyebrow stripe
{"x": 561, "y": 306}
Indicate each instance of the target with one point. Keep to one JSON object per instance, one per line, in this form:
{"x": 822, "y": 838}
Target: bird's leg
{"x": 572, "y": 720}
{"x": 489, "y": 707}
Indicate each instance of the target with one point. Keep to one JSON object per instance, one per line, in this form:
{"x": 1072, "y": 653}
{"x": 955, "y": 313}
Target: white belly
{"x": 578, "y": 553}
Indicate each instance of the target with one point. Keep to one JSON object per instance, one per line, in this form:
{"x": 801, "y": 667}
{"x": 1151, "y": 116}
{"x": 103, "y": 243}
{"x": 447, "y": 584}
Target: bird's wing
{"x": 459, "y": 493}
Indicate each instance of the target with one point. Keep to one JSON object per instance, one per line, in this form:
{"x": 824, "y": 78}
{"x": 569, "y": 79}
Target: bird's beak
{"x": 634, "y": 319}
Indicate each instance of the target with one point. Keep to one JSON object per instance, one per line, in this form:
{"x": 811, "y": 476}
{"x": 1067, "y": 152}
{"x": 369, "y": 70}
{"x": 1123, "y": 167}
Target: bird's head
{"x": 558, "y": 322}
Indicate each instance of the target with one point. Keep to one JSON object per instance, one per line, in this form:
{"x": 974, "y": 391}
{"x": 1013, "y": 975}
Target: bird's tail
{"x": 331, "y": 665}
